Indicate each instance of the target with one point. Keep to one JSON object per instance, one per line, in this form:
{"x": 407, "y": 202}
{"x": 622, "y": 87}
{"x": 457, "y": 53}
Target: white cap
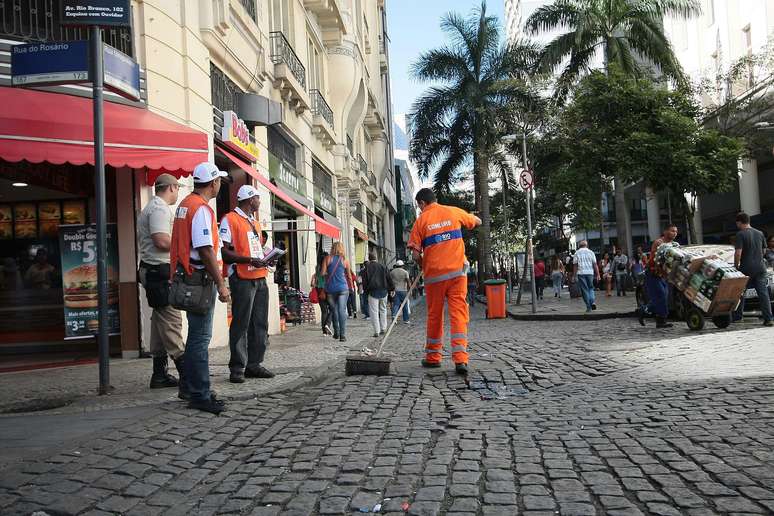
{"x": 399, "y": 263}
{"x": 206, "y": 172}
{"x": 246, "y": 192}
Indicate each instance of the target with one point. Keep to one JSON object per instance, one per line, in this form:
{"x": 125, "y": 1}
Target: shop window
{"x": 281, "y": 147}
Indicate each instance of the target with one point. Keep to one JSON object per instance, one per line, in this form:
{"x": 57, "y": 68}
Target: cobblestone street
{"x": 595, "y": 417}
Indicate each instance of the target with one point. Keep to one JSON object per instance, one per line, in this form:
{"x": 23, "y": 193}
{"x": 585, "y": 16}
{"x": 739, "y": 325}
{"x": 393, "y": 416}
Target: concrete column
{"x": 654, "y": 213}
{"x": 697, "y": 223}
{"x": 749, "y": 191}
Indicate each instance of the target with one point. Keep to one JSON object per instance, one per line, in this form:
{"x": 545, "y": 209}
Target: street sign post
{"x": 527, "y": 181}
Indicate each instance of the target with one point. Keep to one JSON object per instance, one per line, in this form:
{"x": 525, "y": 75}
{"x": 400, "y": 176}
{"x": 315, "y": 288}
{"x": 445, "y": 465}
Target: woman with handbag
{"x": 337, "y": 287}
{"x": 318, "y": 287}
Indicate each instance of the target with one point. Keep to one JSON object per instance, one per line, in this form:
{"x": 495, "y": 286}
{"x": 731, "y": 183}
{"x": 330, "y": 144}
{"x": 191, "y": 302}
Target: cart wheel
{"x": 722, "y": 321}
{"x": 695, "y": 319}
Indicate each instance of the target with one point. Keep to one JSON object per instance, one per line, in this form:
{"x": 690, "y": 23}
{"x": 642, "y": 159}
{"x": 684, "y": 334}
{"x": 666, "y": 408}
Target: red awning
{"x": 38, "y": 126}
{"x": 320, "y": 225}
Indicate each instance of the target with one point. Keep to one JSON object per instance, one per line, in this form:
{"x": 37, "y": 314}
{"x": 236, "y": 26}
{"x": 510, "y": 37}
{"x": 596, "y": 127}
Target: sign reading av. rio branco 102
{"x": 112, "y": 13}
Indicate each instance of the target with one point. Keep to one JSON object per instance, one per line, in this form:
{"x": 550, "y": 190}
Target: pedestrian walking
{"x": 621, "y": 270}
{"x": 437, "y": 245}
{"x": 557, "y": 276}
{"x": 195, "y": 252}
{"x": 248, "y": 334}
{"x": 352, "y": 300}
{"x": 377, "y": 283}
{"x": 318, "y": 284}
{"x": 540, "y": 278}
{"x": 606, "y": 266}
{"x": 472, "y": 285}
{"x": 362, "y": 293}
{"x": 655, "y": 284}
{"x": 748, "y": 258}
{"x": 337, "y": 280}
{"x": 154, "y": 235}
{"x": 769, "y": 253}
{"x": 586, "y": 270}
{"x": 401, "y": 282}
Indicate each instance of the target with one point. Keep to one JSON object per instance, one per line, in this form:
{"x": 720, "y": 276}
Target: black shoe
{"x": 661, "y": 322}
{"x": 768, "y": 323}
{"x": 641, "y": 316}
{"x": 182, "y": 385}
{"x": 161, "y": 378}
{"x": 211, "y": 405}
{"x": 593, "y": 306}
{"x": 430, "y": 365}
{"x": 236, "y": 378}
{"x": 461, "y": 368}
{"x": 342, "y": 339}
{"x": 335, "y": 336}
{"x": 376, "y": 335}
{"x": 258, "y": 372}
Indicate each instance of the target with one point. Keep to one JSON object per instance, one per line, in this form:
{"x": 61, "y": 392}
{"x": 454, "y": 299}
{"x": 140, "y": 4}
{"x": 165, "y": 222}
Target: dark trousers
{"x": 248, "y": 336}
{"x": 658, "y": 294}
{"x": 364, "y": 304}
{"x": 325, "y": 313}
{"x": 351, "y": 304}
{"x": 758, "y": 282}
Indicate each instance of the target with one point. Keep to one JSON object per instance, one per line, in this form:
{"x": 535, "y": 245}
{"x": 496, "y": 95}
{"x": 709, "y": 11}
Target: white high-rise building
{"x": 513, "y": 27}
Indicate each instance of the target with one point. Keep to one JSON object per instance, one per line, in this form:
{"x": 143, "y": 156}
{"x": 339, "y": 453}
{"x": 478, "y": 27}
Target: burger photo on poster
{"x": 80, "y": 287}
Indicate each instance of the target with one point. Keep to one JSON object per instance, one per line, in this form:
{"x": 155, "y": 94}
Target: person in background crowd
{"x": 402, "y": 282}
{"x": 621, "y": 271}
{"x": 637, "y": 266}
{"x": 195, "y": 248}
{"x": 472, "y": 285}
{"x": 248, "y": 335}
{"x": 748, "y": 258}
{"x": 337, "y": 280}
{"x": 40, "y": 274}
{"x": 351, "y": 300}
{"x": 362, "y": 293}
{"x": 607, "y": 275}
{"x": 11, "y": 277}
{"x": 154, "y": 236}
{"x": 655, "y": 284}
{"x": 437, "y": 246}
{"x": 586, "y": 270}
{"x": 540, "y": 278}
{"x": 769, "y": 253}
{"x": 377, "y": 283}
{"x": 318, "y": 283}
{"x": 557, "y": 276}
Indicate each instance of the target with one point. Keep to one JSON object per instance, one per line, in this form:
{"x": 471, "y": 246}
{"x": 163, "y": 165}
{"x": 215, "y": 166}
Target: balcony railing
{"x": 282, "y": 52}
{"x": 321, "y": 107}
{"x": 38, "y": 20}
{"x": 350, "y": 147}
{"x": 363, "y": 165}
{"x": 249, "y": 6}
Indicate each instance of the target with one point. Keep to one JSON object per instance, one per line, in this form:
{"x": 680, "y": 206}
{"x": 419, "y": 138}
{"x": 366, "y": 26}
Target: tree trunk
{"x": 484, "y": 231}
{"x": 621, "y": 217}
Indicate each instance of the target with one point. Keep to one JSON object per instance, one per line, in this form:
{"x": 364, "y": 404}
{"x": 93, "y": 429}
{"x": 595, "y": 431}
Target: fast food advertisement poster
{"x": 78, "y": 245}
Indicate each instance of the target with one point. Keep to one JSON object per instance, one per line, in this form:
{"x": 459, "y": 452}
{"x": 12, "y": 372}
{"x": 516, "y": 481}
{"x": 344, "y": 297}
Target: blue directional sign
{"x": 67, "y": 62}
{"x": 49, "y": 63}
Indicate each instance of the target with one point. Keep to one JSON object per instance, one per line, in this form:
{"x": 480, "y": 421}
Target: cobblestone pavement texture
{"x": 600, "y": 417}
{"x": 292, "y": 355}
{"x": 550, "y": 306}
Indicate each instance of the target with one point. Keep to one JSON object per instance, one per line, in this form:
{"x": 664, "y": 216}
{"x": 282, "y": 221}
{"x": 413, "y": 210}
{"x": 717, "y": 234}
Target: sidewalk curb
{"x": 593, "y": 316}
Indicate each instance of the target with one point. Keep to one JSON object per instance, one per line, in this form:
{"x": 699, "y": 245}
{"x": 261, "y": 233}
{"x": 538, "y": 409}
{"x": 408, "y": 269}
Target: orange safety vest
{"x": 180, "y": 247}
{"x": 243, "y": 236}
{"x": 438, "y": 234}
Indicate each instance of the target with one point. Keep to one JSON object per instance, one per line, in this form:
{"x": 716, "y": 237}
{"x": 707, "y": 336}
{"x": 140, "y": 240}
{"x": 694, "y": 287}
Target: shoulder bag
{"x": 194, "y": 293}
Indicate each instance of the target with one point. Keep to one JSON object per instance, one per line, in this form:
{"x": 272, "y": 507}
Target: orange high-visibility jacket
{"x": 180, "y": 247}
{"x": 246, "y": 241}
{"x": 437, "y": 233}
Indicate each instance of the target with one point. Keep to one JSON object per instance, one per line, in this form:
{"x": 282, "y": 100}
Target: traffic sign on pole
{"x": 526, "y": 179}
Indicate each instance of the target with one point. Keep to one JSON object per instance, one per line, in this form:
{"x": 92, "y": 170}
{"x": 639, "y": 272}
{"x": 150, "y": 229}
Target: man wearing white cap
{"x": 154, "y": 235}
{"x": 402, "y": 281}
{"x": 248, "y": 335}
{"x": 195, "y": 250}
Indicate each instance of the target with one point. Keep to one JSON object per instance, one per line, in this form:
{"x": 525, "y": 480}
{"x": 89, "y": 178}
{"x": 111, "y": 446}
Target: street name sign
{"x": 50, "y": 63}
{"x": 103, "y": 13}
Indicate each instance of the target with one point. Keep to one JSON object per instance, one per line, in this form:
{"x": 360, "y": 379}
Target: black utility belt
{"x": 153, "y": 266}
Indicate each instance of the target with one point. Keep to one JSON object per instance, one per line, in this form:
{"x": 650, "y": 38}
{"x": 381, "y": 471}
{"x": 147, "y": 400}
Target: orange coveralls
{"x": 437, "y": 233}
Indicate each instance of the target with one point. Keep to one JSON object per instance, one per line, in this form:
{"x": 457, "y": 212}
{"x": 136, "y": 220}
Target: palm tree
{"x": 628, "y": 33}
{"x": 476, "y": 77}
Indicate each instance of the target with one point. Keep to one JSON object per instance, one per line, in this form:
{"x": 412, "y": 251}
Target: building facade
{"x": 291, "y": 96}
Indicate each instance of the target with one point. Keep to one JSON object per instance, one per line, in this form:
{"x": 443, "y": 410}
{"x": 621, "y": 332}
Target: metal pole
{"x": 530, "y": 256}
{"x": 97, "y": 76}
{"x": 507, "y": 234}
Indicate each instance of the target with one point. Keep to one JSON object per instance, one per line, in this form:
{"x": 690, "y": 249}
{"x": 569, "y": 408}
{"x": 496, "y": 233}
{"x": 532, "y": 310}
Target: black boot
{"x": 182, "y": 392}
{"x": 661, "y": 322}
{"x": 161, "y": 378}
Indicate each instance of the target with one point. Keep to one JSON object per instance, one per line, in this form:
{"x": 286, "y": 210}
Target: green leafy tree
{"x": 475, "y": 77}
{"x": 630, "y": 36}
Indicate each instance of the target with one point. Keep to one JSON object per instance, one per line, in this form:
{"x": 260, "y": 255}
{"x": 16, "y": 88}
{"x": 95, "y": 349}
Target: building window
{"x": 281, "y": 147}
{"x": 282, "y": 18}
{"x": 322, "y": 179}
{"x": 710, "y": 11}
{"x": 315, "y": 66}
{"x": 224, "y": 90}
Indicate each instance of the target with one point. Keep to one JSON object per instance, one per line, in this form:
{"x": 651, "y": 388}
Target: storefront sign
{"x": 68, "y": 62}
{"x": 236, "y": 136}
{"x": 78, "y": 244}
{"x": 95, "y": 12}
{"x": 122, "y": 73}
{"x": 49, "y": 63}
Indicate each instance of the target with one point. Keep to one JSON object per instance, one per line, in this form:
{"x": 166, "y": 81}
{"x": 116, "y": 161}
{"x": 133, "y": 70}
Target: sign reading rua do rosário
{"x": 103, "y": 13}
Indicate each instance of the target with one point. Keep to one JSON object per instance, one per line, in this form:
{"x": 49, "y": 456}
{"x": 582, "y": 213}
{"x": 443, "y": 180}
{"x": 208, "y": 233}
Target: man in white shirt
{"x": 586, "y": 270}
